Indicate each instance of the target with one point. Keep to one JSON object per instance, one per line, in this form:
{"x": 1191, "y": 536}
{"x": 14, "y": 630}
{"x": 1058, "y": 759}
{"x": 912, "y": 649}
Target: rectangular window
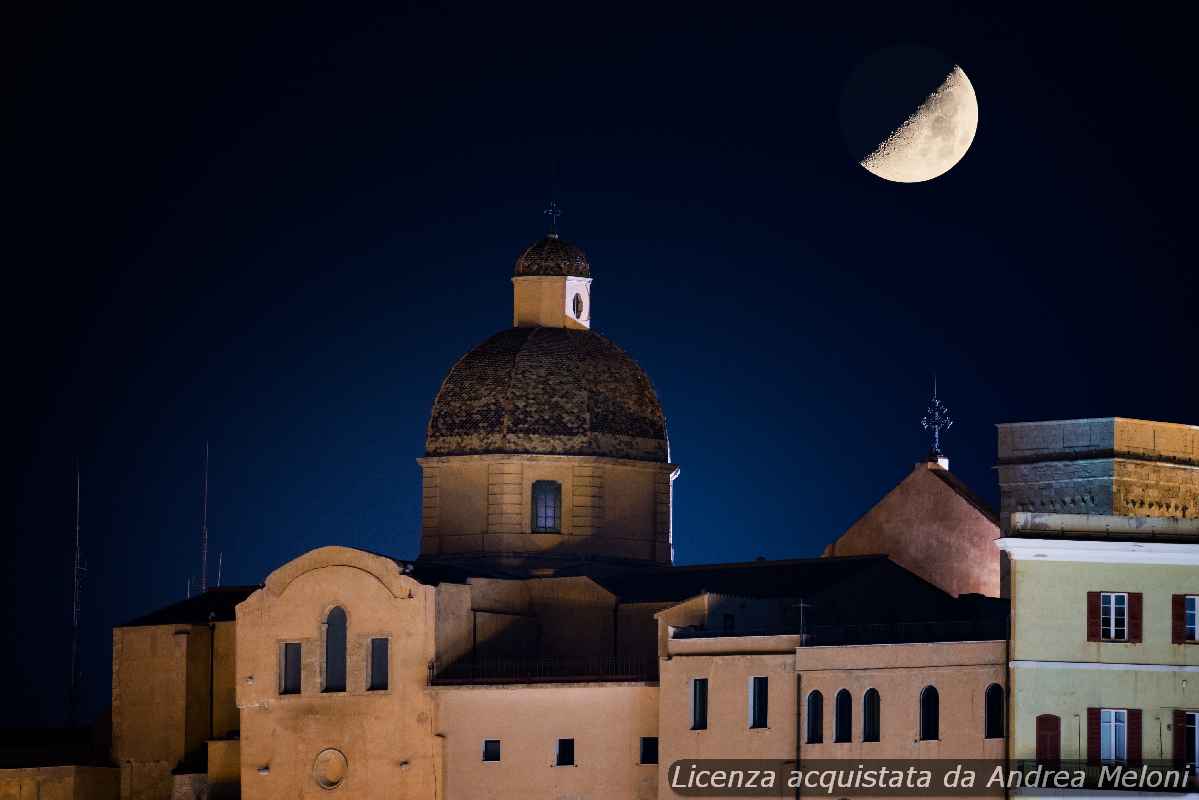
{"x": 759, "y": 690}
{"x": 649, "y": 749}
{"x": 491, "y": 749}
{"x": 1113, "y": 616}
{"x": 1113, "y": 740}
{"x": 566, "y": 753}
{"x": 699, "y": 704}
{"x": 289, "y": 672}
{"x": 378, "y": 665}
{"x": 1191, "y": 618}
{"x": 547, "y": 506}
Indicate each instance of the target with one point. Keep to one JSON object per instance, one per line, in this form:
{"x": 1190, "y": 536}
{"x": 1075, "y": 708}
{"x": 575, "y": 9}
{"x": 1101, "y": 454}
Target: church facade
{"x": 544, "y": 644}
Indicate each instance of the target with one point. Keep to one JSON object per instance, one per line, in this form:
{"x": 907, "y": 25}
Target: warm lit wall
{"x": 548, "y": 301}
{"x": 606, "y": 721}
{"x": 160, "y": 704}
{"x": 960, "y": 672}
{"x": 728, "y": 734}
{"x": 386, "y": 737}
{"x": 1057, "y": 671}
{"x": 483, "y": 504}
{"x": 1049, "y": 610}
{"x": 60, "y": 783}
{"x": 926, "y": 526}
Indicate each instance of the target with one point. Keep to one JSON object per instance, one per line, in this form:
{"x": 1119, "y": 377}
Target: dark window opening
{"x": 993, "y": 712}
{"x": 649, "y": 749}
{"x": 930, "y": 714}
{"x": 566, "y": 753}
{"x": 843, "y": 717}
{"x": 1049, "y": 739}
{"x": 290, "y": 678}
{"x": 491, "y": 749}
{"x": 547, "y": 506}
{"x": 759, "y": 694}
{"x": 335, "y": 651}
{"x": 871, "y": 716}
{"x": 699, "y": 704}
{"x": 815, "y": 718}
{"x": 378, "y": 674}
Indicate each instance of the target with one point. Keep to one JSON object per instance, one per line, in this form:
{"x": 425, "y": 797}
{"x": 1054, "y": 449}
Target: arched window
{"x": 815, "y": 718}
{"x": 871, "y": 721}
{"x": 547, "y": 506}
{"x": 993, "y": 712}
{"x": 930, "y": 714}
{"x": 843, "y": 717}
{"x": 335, "y": 651}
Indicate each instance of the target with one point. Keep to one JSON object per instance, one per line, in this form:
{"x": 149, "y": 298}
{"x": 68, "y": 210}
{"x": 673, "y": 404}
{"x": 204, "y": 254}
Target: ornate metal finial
{"x": 937, "y": 420}
{"x": 553, "y": 212}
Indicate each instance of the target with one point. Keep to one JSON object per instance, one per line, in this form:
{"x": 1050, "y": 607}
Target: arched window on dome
{"x": 547, "y": 506}
{"x": 335, "y": 651}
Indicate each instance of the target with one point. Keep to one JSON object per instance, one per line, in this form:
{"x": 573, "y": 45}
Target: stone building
{"x": 544, "y": 643}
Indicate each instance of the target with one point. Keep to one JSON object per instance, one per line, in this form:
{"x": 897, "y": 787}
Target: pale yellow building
{"x": 1103, "y": 543}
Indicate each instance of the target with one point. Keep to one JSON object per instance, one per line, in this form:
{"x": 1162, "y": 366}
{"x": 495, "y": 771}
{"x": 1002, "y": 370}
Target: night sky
{"x": 277, "y": 232}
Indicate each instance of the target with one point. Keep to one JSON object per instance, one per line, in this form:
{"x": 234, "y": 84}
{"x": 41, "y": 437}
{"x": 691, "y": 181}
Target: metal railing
{"x": 543, "y": 670}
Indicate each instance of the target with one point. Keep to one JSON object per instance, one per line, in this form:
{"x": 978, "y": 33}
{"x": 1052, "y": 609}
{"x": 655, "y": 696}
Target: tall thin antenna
{"x": 77, "y": 579}
{"x": 220, "y": 558}
{"x": 204, "y": 525}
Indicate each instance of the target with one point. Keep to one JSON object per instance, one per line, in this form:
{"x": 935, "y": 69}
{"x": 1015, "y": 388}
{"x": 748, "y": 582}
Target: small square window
{"x": 566, "y": 753}
{"x": 491, "y": 749}
{"x": 649, "y": 749}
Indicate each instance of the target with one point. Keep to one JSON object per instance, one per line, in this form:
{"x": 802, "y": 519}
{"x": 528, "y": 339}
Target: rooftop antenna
{"x": 189, "y": 587}
{"x": 220, "y": 557}
{"x": 77, "y": 578}
{"x": 204, "y": 526}
{"x": 937, "y": 420}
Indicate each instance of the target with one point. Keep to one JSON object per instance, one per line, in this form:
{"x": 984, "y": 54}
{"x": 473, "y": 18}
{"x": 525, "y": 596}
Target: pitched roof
{"x": 215, "y": 605}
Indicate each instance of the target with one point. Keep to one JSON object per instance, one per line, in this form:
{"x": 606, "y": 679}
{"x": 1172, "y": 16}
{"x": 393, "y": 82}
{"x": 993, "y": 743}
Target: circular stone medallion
{"x": 330, "y": 768}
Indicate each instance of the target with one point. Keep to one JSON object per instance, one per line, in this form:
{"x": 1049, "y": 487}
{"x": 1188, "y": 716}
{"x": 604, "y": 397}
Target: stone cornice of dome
{"x": 655, "y": 466}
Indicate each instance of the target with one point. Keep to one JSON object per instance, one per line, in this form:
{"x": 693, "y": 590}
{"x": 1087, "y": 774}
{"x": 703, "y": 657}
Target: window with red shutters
{"x": 1093, "y": 740}
{"x": 1178, "y": 624}
{"x": 1093, "y": 632}
{"x": 1049, "y": 739}
{"x": 1135, "y": 626}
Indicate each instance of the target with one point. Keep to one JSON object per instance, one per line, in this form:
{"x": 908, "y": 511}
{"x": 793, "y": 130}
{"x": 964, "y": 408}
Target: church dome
{"x": 553, "y": 257}
{"x": 551, "y": 391}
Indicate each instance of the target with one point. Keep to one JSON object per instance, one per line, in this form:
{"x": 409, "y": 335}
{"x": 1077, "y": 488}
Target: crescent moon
{"x": 931, "y": 141}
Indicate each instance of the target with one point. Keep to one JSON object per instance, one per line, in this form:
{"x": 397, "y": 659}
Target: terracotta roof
{"x": 554, "y": 257}
{"x": 549, "y": 391}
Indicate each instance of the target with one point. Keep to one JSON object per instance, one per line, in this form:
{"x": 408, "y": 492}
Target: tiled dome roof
{"x": 552, "y": 256}
{"x": 548, "y": 391}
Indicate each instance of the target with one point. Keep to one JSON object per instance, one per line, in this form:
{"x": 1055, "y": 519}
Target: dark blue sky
{"x": 278, "y": 232}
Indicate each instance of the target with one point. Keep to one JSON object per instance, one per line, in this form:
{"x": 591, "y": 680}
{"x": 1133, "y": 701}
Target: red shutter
{"x": 1093, "y": 740}
{"x": 1134, "y": 736}
{"x": 1049, "y": 739}
{"x": 1134, "y": 617}
{"x": 1180, "y": 737}
{"x": 1093, "y": 617}
{"x": 1178, "y": 618}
